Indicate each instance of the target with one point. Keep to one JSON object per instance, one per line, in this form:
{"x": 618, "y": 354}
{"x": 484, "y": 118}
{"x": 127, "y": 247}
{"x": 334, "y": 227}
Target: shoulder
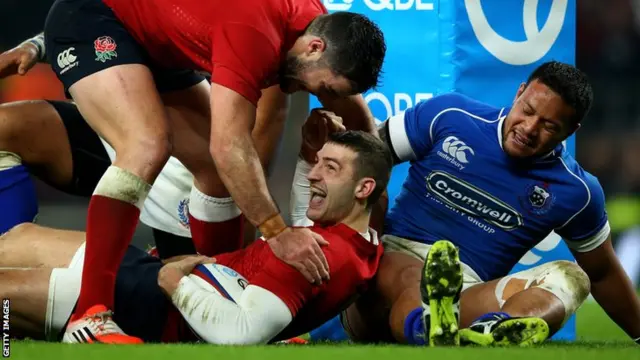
{"x": 586, "y": 186}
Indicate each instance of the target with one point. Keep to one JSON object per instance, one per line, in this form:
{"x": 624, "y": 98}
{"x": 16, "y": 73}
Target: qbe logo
{"x": 384, "y": 107}
{"x": 538, "y": 40}
{"x": 381, "y": 5}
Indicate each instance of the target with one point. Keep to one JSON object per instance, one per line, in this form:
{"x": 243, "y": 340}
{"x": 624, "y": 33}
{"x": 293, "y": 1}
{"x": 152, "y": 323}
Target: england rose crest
{"x": 105, "y": 48}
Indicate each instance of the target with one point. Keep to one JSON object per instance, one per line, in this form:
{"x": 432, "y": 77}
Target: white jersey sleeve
{"x": 300, "y": 194}
{"x": 257, "y": 318}
{"x": 589, "y": 227}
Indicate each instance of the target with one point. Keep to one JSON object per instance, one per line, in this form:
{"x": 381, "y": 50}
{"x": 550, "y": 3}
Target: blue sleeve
{"x": 589, "y": 227}
{"x": 421, "y": 121}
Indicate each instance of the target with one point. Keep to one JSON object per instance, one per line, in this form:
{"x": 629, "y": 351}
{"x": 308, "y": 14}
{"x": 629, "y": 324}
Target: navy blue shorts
{"x": 140, "y": 309}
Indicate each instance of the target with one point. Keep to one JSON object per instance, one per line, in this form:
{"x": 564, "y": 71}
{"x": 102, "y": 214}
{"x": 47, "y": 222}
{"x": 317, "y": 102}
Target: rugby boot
{"x": 440, "y": 289}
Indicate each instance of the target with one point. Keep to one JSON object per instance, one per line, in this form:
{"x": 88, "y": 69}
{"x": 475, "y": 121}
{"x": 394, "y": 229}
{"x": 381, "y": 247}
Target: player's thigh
{"x": 30, "y": 246}
{"x": 88, "y": 156}
{"x": 190, "y": 118}
{"x": 140, "y": 307}
{"x": 27, "y": 293}
{"x": 34, "y": 131}
{"x": 113, "y": 87}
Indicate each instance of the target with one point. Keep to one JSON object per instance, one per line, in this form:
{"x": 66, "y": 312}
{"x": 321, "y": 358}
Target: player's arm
{"x": 270, "y": 120}
{"x": 411, "y": 134}
{"x": 257, "y": 317}
{"x": 23, "y": 57}
{"x": 611, "y": 287}
{"x": 236, "y": 78}
{"x": 588, "y": 236}
{"x": 352, "y": 109}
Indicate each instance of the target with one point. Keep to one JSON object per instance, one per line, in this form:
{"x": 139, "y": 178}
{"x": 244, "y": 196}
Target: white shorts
{"x": 64, "y": 289}
{"x": 419, "y": 251}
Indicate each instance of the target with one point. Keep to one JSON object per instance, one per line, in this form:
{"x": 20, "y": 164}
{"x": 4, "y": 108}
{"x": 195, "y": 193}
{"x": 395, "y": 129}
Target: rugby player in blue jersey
{"x": 492, "y": 182}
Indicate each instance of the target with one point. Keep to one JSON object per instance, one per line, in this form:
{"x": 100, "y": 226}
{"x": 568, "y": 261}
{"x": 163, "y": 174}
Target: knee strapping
{"x": 564, "y": 279}
{"x": 9, "y": 160}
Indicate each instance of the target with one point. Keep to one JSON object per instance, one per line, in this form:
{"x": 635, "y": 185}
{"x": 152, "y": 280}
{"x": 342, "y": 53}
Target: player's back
{"x": 186, "y": 33}
{"x": 463, "y": 187}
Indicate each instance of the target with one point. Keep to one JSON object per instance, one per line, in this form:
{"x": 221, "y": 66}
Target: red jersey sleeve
{"x": 304, "y": 11}
{"x": 244, "y": 59}
{"x": 285, "y": 282}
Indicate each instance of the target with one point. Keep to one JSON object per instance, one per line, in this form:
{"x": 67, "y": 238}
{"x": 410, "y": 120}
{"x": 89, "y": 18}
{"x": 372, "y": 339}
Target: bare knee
{"x": 145, "y": 156}
{"x": 12, "y": 128}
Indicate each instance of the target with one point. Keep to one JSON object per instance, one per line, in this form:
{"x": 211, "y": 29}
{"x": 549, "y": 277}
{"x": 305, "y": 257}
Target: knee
{"x": 14, "y": 235}
{"x": 577, "y": 280}
{"x": 567, "y": 281}
{"x": 145, "y": 154}
{"x": 17, "y": 231}
{"x": 10, "y": 129}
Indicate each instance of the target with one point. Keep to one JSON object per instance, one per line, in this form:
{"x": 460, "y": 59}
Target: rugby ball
{"x": 219, "y": 279}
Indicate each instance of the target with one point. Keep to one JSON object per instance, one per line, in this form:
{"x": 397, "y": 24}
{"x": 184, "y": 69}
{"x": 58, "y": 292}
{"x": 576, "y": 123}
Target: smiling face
{"x": 538, "y": 121}
{"x": 332, "y": 184}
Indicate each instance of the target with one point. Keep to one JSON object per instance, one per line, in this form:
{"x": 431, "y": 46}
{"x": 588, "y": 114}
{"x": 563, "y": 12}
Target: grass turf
{"x": 598, "y": 338}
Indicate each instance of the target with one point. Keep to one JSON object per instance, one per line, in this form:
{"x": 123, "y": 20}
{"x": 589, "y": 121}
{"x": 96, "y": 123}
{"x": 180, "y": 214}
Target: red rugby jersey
{"x": 241, "y": 43}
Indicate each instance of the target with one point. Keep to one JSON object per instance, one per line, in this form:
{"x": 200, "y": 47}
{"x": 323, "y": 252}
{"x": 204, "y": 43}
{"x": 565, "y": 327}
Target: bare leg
{"x": 33, "y": 246}
{"x": 34, "y": 131}
{"x": 28, "y": 291}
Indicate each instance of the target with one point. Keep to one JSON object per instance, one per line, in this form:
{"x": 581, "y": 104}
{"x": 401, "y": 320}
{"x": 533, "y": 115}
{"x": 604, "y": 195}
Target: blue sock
{"x": 332, "y": 330}
{"x": 414, "y": 331}
{"x": 18, "y": 201}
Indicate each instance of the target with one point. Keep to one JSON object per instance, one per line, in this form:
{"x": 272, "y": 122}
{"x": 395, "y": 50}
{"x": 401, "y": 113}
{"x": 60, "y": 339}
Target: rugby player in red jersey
{"x": 120, "y": 60}
{"x": 352, "y": 171}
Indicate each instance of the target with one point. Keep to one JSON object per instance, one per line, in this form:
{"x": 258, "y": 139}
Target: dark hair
{"x": 373, "y": 158}
{"x": 567, "y": 81}
{"x": 355, "y": 47}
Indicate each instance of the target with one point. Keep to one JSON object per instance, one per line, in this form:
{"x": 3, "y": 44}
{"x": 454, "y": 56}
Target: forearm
{"x": 300, "y": 194}
{"x": 616, "y": 295}
{"x": 257, "y": 317}
{"x": 354, "y": 112}
{"x": 270, "y": 119}
{"x": 239, "y": 168}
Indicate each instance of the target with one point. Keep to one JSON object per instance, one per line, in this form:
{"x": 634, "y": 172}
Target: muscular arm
{"x": 270, "y": 118}
{"x": 235, "y": 155}
{"x": 611, "y": 287}
{"x": 353, "y": 110}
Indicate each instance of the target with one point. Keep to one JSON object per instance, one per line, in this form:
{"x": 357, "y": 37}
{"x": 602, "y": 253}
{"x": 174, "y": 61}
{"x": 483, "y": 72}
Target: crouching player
{"x": 493, "y": 182}
{"x": 352, "y": 170}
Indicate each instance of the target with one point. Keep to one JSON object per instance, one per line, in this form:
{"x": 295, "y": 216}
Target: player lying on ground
{"x": 353, "y": 168}
{"x": 116, "y": 58}
{"x": 494, "y": 182}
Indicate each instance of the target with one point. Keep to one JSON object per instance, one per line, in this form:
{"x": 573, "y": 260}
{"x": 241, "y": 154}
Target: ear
{"x": 315, "y": 47}
{"x": 575, "y": 128}
{"x": 364, "y": 188}
{"x": 520, "y": 91}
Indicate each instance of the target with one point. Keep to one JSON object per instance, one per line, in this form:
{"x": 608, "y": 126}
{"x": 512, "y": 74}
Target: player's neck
{"x": 358, "y": 219}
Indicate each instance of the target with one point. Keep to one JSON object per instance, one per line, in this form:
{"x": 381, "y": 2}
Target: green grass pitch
{"x": 598, "y": 338}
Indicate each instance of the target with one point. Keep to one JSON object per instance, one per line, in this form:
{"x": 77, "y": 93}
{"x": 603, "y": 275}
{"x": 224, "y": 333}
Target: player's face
{"x": 332, "y": 185}
{"x": 538, "y": 121}
{"x": 308, "y": 72}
